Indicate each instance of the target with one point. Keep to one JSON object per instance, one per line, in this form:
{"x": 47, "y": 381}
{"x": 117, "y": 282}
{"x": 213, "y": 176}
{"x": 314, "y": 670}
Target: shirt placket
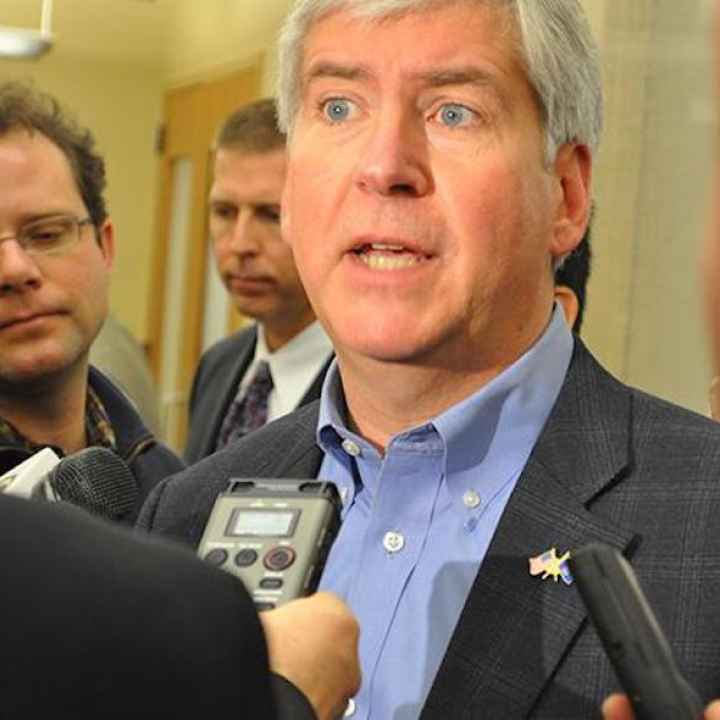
{"x": 400, "y": 521}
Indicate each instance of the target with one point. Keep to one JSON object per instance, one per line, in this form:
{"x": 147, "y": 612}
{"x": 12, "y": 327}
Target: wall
{"x": 210, "y": 38}
{"x": 644, "y": 317}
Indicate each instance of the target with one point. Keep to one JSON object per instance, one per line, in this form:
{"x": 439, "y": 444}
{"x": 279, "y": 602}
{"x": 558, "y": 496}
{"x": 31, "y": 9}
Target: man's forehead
{"x": 256, "y": 171}
{"x": 326, "y": 52}
{"x": 36, "y": 159}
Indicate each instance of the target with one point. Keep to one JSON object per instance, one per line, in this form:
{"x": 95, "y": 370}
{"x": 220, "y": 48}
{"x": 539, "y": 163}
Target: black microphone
{"x": 95, "y": 479}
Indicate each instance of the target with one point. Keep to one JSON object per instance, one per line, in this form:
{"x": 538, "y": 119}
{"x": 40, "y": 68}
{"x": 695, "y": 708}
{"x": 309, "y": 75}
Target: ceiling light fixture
{"x": 18, "y": 42}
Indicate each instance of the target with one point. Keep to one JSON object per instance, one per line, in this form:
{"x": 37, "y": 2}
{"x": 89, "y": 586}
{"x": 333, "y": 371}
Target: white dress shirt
{"x": 294, "y": 367}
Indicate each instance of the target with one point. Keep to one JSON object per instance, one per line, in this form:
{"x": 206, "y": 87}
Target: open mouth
{"x": 388, "y": 256}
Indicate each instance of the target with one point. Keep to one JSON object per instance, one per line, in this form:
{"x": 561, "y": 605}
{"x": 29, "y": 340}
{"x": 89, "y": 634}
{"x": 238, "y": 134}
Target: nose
{"x": 395, "y": 161}
{"x": 243, "y": 240}
{"x": 18, "y": 270}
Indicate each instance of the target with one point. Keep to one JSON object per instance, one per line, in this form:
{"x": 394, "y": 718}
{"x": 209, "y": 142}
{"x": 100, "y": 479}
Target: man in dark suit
{"x": 96, "y": 622}
{"x": 279, "y": 363}
{"x": 439, "y": 169}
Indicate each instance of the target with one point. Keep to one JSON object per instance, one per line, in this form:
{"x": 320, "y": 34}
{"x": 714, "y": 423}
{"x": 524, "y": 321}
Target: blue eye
{"x": 337, "y": 109}
{"x": 453, "y": 115}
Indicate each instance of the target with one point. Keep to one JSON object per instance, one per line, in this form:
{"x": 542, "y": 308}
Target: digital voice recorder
{"x": 274, "y": 534}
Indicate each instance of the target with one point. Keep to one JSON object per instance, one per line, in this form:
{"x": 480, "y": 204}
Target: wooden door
{"x": 192, "y": 116}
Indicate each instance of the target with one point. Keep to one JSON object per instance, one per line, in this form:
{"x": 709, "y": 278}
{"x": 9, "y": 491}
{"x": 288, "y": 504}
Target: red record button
{"x": 279, "y": 558}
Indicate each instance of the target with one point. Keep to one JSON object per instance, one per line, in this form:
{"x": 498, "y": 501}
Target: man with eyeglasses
{"x": 56, "y": 253}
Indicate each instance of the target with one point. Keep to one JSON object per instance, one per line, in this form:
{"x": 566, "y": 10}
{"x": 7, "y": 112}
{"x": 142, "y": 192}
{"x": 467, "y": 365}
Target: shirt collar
{"x": 495, "y": 427}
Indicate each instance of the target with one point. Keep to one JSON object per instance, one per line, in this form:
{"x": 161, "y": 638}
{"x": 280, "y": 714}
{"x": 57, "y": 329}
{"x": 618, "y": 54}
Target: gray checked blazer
{"x": 613, "y": 465}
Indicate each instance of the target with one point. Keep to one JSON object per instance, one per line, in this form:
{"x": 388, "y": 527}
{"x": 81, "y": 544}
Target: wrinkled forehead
{"x": 383, "y": 12}
{"x": 374, "y": 16}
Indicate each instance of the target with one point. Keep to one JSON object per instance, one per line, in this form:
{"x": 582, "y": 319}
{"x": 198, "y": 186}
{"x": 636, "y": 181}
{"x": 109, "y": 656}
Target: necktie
{"x": 248, "y": 411}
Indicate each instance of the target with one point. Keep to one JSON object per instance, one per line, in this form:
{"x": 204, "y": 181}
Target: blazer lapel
{"x": 227, "y": 392}
{"x": 516, "y": 628}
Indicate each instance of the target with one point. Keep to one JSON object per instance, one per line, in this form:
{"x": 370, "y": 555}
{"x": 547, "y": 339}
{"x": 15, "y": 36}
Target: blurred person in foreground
{"x": 97, "y": 622}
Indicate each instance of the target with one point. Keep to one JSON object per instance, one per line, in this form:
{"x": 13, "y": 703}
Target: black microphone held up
{"x": 95, "y": 479}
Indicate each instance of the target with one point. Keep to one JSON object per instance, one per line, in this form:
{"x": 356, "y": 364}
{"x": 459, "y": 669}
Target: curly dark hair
{"x": 23, "y": 107}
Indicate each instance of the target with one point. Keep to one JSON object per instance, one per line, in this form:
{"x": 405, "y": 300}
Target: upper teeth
{"x": 385, "y": 246}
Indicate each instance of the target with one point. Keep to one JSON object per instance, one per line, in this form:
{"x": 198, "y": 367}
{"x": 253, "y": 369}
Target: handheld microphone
{"x": 95, "y": 479}
{"x": 28, "y": 478}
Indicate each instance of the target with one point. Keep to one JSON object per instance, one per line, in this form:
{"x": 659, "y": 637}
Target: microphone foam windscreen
{"x": 95, "y": 479}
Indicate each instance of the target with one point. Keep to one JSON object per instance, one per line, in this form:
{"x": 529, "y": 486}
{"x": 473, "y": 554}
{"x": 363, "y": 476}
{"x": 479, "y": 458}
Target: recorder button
{"x": 260, "y": 606}
{"x": 217, "y": 557}
{"x": 271, "y": 583}
{"x": 279, "y": 558}
{"x": 246, "y": 557}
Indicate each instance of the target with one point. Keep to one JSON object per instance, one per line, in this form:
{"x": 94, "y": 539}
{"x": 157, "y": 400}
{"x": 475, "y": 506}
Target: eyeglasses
{"x": 50, "y": 236}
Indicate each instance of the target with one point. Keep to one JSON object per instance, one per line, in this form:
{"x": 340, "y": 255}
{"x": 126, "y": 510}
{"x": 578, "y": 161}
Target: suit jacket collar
{"x": 515, "y": 628}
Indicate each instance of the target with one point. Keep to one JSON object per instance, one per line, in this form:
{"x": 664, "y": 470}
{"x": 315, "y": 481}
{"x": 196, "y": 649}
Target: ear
{"x": 573, "y": 170}
{"x": 569, "y": 302}
{"x": 106, "y": 241}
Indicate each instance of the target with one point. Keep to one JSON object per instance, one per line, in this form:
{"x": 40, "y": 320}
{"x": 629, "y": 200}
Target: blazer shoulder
{"x": 229, "y": 348}
{"x": 180, "y": 505}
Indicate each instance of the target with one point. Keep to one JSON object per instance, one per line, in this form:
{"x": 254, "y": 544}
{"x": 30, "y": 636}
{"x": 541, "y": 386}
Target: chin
{"x": 35, "y": 368}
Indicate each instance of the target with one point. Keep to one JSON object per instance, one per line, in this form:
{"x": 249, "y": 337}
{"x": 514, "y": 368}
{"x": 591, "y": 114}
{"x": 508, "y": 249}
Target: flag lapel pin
{"x": 548, "y": 564}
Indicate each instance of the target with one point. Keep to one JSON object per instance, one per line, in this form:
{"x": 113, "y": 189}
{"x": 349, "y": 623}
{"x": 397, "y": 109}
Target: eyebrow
{"x": 469, "y": 75}
{"x": 338, "y": 71}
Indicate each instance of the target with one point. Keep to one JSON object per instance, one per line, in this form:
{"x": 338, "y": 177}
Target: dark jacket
{"x": 215, "y": 385}
{"x": 96, "y": 623}
{"x": 612, "y": 465}
{"x": 149, "y": 460}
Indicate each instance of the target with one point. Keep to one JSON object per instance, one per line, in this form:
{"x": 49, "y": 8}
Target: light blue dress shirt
{"x": 418, "y": 520}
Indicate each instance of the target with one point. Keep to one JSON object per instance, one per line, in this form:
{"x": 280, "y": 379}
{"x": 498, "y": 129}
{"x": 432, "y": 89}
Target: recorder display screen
{"x": 260, "y": 523}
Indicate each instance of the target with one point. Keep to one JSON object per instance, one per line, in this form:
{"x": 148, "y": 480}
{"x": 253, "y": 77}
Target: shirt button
{"x": 393, "y": 542}
{"x": 471, "y": 499}
{"x": 351, "y": 448}
{"x": 350, "y": 709}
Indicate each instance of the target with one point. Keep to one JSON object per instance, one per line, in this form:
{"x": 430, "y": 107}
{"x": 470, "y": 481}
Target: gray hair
{"x": 557, "y": 47}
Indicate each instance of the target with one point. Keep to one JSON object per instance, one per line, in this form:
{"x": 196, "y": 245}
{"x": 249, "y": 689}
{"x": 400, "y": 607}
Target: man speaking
{"x": 439, "y": 170}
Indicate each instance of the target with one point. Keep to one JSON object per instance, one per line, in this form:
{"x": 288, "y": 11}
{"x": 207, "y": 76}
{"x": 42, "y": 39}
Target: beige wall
{"x": 644, "y": 318}
{"x": 221, "y": 35}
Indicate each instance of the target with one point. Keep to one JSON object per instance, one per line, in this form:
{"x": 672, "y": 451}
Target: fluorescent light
{"x": 21, "y": 43}
{"x": 26, "y": 43}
